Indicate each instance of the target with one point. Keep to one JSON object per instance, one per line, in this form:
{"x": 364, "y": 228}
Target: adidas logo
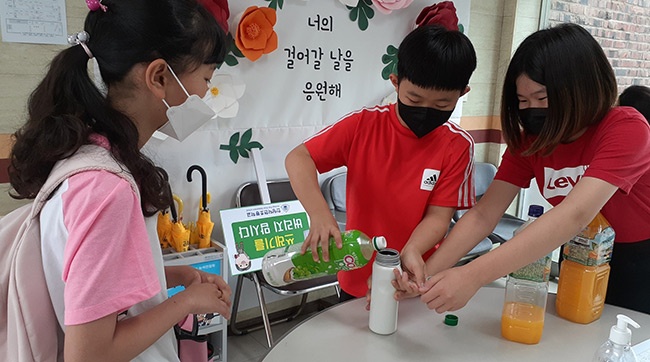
{"x": 429, "y": 179}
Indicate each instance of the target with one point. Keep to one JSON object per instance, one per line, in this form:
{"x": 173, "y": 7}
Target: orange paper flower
{"x": 255, "y": 35}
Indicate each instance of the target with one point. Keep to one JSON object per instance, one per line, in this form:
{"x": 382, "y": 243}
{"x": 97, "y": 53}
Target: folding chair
{"x": 247, "y": 195}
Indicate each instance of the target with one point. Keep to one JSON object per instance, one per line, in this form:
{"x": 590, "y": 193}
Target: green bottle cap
{"x": 451, "y": 320}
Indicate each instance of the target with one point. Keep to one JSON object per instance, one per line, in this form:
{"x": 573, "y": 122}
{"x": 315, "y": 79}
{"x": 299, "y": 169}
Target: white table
{"x": 341, "y": 333}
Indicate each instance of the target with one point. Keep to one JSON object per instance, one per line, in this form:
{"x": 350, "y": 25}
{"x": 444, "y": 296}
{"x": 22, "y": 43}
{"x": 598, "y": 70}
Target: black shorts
{"x": 629, "y": 279}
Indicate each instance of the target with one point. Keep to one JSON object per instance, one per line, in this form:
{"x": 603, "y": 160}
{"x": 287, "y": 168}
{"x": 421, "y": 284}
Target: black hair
{"x": 66, "y": 107}
{"x": 434, "y": 57}
{"x": 637, "y": 96}
{"x": 579, "y": 80}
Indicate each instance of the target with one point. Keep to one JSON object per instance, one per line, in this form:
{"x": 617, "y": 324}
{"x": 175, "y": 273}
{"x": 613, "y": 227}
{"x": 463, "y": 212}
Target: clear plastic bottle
{"x": 285, "y": 266}
{"x": 383, "y": 306}
{"x": 618, "y": 347}
{"x": 522, "y": 319}
{"x": 584, "y": 273}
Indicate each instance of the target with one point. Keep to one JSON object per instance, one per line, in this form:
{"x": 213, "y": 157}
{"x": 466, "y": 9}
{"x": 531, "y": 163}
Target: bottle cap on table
{"x": 451, "y": 320}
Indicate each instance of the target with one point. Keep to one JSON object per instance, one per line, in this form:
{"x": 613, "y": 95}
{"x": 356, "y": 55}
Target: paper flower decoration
{"x": 224, "y": 93}
{"x": 350, "y": 3}
{"x": 442, "y": 13}
{"x": 387, "y": 6}
{"x": 255, "y": 35}
{"x": 219, "y": 9}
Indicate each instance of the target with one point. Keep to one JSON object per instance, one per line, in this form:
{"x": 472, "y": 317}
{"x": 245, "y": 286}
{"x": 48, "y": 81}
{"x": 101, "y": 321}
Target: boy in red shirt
{"x": 408, "y": 168}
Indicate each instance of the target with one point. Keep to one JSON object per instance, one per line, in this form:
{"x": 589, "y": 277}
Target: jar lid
{"x": 451, "y": 320}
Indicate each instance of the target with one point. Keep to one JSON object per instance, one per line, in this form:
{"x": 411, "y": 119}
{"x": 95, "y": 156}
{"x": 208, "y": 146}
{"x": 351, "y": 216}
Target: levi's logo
{"x": 429, "y": 179}
{"x": 561, "y": 182}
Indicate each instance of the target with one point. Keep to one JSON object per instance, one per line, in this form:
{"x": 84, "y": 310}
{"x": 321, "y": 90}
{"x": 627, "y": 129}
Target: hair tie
{"x": 81, "y": 38}
{"x": 95, "y": 5}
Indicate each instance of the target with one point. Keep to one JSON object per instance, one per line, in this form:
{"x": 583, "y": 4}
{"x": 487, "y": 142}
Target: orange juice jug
{"x": 585, "y": 272}
{"x": 581, "y": 291}
{"x": 522, "y": 319}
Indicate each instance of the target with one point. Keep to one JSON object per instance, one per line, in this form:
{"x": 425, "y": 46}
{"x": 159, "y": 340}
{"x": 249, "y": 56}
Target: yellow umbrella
{"x": 202, "y": 230}
{"x": 180, "y": 236}
{"x": 164, "y": 228}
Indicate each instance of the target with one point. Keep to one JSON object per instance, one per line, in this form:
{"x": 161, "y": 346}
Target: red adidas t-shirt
{"x": 393, "y": 176}
{"x": 616, "y": 151}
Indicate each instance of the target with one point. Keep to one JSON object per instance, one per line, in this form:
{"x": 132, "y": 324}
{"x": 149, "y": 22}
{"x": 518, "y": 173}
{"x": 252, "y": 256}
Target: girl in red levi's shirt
{"x": 586, "y": 155}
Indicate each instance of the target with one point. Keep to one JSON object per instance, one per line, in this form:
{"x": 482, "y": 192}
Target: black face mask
{"x": 422, "y": 120}
{"x": 533, "y": 119}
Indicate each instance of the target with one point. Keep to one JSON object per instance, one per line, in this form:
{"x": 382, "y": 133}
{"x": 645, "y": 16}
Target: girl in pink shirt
{"x": 104, "y": 273}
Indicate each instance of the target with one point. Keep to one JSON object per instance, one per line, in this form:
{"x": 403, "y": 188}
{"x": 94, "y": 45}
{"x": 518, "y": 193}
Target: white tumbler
{"x": 383, "y": 306}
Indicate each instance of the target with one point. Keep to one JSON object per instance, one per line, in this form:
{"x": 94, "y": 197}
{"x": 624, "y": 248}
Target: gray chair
{"x": 334, "y": 191}
{"x": 247, "y": 195}
{"x": 484, "y": 173}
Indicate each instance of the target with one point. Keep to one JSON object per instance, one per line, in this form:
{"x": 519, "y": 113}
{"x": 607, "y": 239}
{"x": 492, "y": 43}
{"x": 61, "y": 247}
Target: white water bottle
{"x": 383, "y": 306}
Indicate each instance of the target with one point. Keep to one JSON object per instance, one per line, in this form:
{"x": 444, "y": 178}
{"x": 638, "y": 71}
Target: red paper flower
{"x": 255, "y": 35}
{"x": 442, "y": 13}
{"x": 218, "y": 9}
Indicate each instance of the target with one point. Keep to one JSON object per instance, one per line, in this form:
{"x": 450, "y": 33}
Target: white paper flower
{"x": 350, "y": 3}
{"x": 225, "y": 91}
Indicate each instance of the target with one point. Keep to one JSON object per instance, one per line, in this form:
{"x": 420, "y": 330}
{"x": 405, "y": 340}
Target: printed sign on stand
{"x": 250, "y": 232}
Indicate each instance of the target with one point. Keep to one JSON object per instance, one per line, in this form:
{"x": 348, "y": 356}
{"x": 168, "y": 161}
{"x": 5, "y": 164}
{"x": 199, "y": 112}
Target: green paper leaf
{"x": 234, "y": 139}
{"x": 234, "y": 155}
{"x": 254, "y": 144}
{"x": 230, "y": 60}
{"x": 243, "y": 152}
{"x": 390, "y": 59}
{"x": 354, "y": 13}
{"x": 461, "y": 28}
{"x": 225, "y": 147}
{"x": 246, "y": 137}
{"x": 236, "y": 52}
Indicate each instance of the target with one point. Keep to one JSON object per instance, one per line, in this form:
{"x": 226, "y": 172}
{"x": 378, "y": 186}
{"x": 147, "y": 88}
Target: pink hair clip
{"x": 95, "y": 5}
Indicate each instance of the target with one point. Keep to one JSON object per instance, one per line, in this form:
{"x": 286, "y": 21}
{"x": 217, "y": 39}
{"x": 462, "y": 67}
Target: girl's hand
{"x": 203, "y": 298}
{"x": 449, "y": 290}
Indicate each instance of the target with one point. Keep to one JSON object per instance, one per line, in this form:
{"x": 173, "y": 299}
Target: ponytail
{"x": 63, "y": 110}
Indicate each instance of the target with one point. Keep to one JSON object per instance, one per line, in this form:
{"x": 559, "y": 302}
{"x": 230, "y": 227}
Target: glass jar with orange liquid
{"x": 522, "y": 319}
{"x": 584, "y": 273}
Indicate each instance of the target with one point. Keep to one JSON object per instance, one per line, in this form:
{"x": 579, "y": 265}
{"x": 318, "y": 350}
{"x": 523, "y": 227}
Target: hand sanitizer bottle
{"x": 619, "y": 347}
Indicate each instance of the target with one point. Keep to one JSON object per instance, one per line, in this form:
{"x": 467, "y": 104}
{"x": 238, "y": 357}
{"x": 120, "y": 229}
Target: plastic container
{"x": 285, "y": 266}
{"x": 618, "y": 347}
{"x": 522, "y": 319}
{"x": 383, "y": 306}
{"x": 584, "y": 273}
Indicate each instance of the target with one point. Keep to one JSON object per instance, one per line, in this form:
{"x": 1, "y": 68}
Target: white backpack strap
{"x": 87, "y": 158}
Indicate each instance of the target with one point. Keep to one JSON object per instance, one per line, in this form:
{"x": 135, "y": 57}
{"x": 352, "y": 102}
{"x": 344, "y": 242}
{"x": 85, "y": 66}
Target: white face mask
{"x": 187, "y": 117}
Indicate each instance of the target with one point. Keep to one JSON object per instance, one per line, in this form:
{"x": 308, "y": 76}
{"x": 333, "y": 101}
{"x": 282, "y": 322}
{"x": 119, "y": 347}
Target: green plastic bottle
{"x": 285, "y": 266}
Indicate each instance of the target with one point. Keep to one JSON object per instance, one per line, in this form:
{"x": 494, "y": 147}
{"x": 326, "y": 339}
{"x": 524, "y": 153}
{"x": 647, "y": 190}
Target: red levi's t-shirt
{"x": 616, "y": 150}
{"x": 393, "y": 176}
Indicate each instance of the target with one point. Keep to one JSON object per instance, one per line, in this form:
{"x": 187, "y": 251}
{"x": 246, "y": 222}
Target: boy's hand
{"x": 404, "y": 287}
{"x": 320, "y": 231}
{"x": 413, "y": 265}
